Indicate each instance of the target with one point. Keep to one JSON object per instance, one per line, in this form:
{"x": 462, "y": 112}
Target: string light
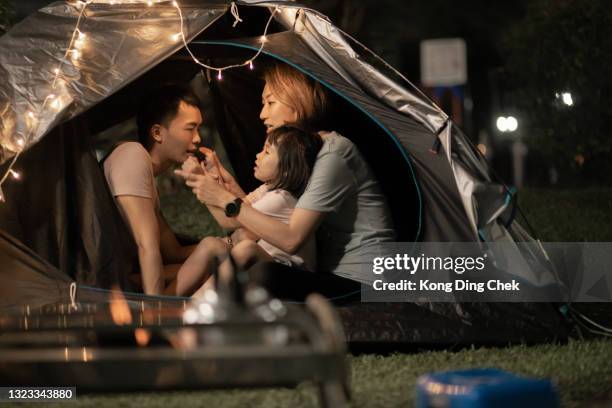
{"x": 78, "y": 41}
{"x": 237, "y": 19}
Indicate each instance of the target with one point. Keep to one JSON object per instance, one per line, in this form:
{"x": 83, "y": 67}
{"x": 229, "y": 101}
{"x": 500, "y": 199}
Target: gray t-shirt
{"x": 357, "y": 216}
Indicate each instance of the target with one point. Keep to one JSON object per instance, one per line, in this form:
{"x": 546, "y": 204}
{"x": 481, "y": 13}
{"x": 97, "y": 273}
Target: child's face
{"x": 266, "y": 164}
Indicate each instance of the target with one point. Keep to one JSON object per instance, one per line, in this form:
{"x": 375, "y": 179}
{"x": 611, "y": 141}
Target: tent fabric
{"x": 64, "y": 213}
{"x": 26, "y": 278}
{"x": 123, "y": 42}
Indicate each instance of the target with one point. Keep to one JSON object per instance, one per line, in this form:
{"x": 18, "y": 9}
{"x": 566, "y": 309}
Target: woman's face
{"x": 275, "y": 113}
{"x": 266, "y": 164}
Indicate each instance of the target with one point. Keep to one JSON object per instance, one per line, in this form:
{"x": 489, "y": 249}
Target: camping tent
{"x": 439, "y": 187}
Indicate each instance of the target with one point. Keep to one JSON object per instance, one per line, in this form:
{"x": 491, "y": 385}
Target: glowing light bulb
{"x": 149, "y": 3}
{"x": 56, "y": 71}
{"x": 175, "y": 4}
{"x": 56, "y": 104}
{"x": 76, "y": 54}
{"x": 82, "y": 35}
{"x": 15, "y": 174}
{"x": 264, "y": 38}
{"x": 20, "y": 142}
{"x": 219, "y": 76}
{"x": 78, "y": 43}
{"x": 251, "y": 64}
{"x": 31, "y": 115}
{"x": 175, "y": 37}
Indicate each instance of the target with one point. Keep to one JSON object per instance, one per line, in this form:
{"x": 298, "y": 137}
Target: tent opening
{"x": 231, "y": 108}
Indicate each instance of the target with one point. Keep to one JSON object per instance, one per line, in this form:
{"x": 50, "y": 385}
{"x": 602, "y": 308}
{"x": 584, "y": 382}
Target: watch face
{"x": 231, "y": 209}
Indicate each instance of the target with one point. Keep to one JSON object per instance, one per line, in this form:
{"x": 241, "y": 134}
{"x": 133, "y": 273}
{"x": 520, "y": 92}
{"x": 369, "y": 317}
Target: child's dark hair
{"x": 160, "y": 106}
{"x": 297, "y": 152}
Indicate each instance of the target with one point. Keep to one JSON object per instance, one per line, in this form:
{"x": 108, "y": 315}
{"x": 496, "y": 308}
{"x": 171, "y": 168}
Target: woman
{"x": 343, "y": 202}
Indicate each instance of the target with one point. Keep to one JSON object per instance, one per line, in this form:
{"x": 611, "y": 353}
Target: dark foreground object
{"x": 164, "y": 345}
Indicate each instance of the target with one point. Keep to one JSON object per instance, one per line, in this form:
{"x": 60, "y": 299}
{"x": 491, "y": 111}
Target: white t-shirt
{"x": 279, "y": 204}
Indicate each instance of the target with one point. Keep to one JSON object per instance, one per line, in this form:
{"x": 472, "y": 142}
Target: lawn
{"x": 582, "y": 369}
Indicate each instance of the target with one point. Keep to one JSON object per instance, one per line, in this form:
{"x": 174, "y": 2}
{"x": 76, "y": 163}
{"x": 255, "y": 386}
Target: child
{"x": 283, "y": 166}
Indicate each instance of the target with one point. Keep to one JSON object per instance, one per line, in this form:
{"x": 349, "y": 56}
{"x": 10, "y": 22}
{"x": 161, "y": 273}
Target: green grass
{"x": 582, "y": 369}
{"x": 569, "y": 215}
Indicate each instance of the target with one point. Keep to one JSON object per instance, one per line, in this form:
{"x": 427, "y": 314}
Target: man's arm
{"x": 171, "y": 250}
{"x": 143, "y": 223}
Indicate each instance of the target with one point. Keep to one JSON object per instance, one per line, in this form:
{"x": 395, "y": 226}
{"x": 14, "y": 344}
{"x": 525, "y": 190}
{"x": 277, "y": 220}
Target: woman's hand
{"x": 214, "y": 166}
{"x": 207, "y": 188}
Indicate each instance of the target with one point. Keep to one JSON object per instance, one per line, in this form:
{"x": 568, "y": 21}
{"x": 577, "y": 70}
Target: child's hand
{"x": 191, "y": 165}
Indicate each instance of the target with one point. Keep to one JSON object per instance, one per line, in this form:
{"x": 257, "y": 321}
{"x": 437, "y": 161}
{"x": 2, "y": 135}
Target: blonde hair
{"x": 306, "y": 96}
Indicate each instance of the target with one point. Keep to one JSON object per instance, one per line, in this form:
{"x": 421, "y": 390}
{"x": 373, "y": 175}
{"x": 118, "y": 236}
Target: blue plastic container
{"x": 484, "y": 388}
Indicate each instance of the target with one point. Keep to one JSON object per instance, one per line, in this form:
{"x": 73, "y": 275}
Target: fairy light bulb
{"x": 149, "y": 3}
{"x": 20, "y": 142}
{"x": 175, "y": 4}
{"x": 264, "y": 39}
{"x": 251, "y": 64}
{"x": 15, "y": 174}
{"x": 56, "y": 104}
{"x": 82, "y": 35}
{"x": 56, "y": 71}
{"x": 31, "y": 115}
{"x": 175, "y": 37}
{"x": 219, "y": 76}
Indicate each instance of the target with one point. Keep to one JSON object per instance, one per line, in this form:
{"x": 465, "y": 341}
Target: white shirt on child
{"x": 280, "y": 204}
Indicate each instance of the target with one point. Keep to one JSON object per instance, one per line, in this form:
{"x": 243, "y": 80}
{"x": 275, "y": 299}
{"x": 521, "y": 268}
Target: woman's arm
{"x": 288, "y": 237}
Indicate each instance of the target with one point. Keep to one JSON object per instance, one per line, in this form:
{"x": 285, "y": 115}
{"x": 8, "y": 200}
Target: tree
{"x": 563, "y": 46}
{"x": 7, "y": 16}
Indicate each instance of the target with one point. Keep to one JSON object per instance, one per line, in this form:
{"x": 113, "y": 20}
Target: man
{"x": 168, "y": 122}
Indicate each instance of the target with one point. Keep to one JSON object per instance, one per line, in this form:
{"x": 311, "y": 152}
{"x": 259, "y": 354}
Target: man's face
{"x": 275, "y": 113}
{"x": 181, "y": 135}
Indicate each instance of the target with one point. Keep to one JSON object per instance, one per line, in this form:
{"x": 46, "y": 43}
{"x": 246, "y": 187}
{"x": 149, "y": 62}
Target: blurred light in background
{"x": 506, "y": 124}
{"x": 565, "y": 97}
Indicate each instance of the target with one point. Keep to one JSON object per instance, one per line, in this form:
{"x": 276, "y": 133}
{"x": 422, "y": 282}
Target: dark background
{"x": 520, "y": 54}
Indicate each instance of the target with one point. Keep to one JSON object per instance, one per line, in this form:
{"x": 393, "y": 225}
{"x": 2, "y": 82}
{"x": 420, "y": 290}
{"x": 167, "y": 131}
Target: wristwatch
{"x": 232, "y": 208}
